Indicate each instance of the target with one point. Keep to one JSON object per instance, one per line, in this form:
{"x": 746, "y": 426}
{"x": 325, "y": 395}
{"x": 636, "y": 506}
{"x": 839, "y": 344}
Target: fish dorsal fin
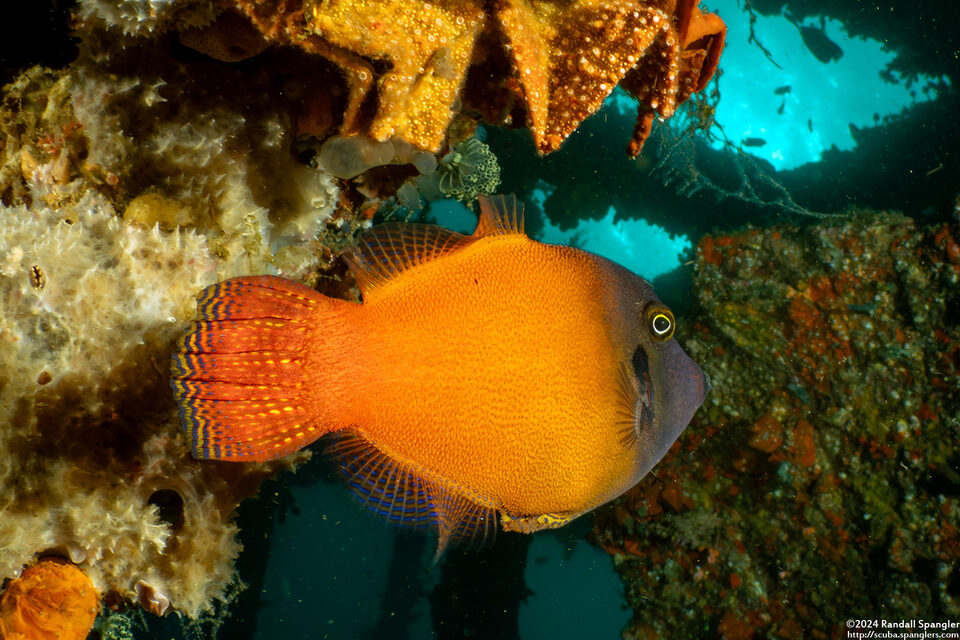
{"x": 499, "y": 215}
{"x": 387, "y": 250}
{"x": 406, "y": 496}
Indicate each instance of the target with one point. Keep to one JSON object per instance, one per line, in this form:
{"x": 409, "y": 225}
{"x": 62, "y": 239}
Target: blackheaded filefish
{"x": 484, "y": 378}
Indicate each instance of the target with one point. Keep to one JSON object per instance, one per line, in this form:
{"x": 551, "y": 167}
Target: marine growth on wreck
{"x": 189, "y": 142}
{"x": 185, "y": 143}
{"x": 819, "y": 478}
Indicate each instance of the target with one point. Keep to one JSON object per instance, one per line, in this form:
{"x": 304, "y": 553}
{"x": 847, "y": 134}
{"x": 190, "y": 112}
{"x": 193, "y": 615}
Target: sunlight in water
{"x": 824, "y": 98}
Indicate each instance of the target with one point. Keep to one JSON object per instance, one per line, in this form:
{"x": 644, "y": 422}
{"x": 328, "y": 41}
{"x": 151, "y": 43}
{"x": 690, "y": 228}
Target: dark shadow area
{"x": 256, "y": 518}
{"x": 923, "y": 36}
{"x": 404, "y": 588}
{"x": 35, "y": 32}
{"x": 479, "y": 593}
{"x": 908, "y": 162}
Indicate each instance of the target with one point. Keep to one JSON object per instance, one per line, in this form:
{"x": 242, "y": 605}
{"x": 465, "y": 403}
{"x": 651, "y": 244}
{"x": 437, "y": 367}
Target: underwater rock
{"x": 146, "y": 17}
{"x": 165, "y": 152}
{"x": 93, "y": 467}
{"x": 89, "y": 306}
{"x": 819, "y": 478}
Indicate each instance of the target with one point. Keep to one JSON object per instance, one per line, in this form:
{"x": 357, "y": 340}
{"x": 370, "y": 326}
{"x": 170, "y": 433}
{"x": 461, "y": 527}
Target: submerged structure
{"x": 194, "y": 141}
{"x": 820, "y": 476}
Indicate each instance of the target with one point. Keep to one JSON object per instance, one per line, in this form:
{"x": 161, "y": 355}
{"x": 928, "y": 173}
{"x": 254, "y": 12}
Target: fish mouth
{"x": 683, "y": 386}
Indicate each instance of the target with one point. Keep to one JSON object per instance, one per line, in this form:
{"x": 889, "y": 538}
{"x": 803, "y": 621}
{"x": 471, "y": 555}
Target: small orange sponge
{"x": 51, "y": 599}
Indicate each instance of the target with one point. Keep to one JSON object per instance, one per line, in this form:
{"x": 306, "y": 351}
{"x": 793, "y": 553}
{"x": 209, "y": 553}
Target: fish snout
{"x": 679, "y": 388}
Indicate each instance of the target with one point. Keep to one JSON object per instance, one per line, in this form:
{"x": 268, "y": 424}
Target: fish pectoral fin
{"x": 634, "y": 413}
{"x": 529, "y": 524}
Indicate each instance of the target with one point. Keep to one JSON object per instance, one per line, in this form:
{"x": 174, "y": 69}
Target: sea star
{"x": 560, "y": 58}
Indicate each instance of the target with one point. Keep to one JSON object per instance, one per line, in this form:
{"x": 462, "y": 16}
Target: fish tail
{"x": 238, "y": 374}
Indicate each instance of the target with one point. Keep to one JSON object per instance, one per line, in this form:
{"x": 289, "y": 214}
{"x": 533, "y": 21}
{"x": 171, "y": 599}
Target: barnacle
{"x": 470, "y": 169}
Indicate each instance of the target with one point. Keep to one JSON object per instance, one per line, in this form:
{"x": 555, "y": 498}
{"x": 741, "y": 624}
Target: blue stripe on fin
{"x": 394, "y": 490}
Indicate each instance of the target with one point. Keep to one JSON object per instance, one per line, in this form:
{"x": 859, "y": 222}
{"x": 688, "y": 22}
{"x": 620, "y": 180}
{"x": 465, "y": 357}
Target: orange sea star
{"x": 556, "y": 59}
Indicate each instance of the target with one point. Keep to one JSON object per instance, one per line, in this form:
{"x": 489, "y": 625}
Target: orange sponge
{"x": 52, "y": 599}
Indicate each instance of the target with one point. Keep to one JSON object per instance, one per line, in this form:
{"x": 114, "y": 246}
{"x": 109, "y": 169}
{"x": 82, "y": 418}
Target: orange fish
{"x": 483, "y": 377}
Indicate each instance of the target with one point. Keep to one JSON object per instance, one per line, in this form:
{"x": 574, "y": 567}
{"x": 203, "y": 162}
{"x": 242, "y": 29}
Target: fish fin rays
{"x": 633, "y": 406}
{"x": 389, "y": 249}
{"x": 499, "y": 215}
{"x": 406, "y": 496}
{"x": 237, "y": 374}
{"x": 255, "y": 297}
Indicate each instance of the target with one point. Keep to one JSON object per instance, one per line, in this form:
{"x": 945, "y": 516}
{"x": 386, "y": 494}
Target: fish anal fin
{"x": 391, "y": 248}
{"x": 530, "y": 524}
{"x": 499, "y": 215}
{"x": 408, "y": 496}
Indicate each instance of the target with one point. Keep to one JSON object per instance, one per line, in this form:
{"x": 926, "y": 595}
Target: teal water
{"x": 327, "y": 575}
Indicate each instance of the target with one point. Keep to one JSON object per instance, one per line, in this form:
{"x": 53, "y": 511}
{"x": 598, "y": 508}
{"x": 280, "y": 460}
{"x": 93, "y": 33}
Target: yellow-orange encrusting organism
{"x": 418, "y": 63}
{"x": 484, "y": 378}
{"x": 51, "y": 600}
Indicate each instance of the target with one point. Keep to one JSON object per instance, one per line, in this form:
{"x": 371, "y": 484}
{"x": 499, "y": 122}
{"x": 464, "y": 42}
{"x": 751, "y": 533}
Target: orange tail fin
{"x": 237, "y": 374}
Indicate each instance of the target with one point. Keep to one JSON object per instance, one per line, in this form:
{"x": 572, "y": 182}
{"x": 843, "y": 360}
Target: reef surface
{"x": 818, "y": 483}
{"x": 125, "y": 189}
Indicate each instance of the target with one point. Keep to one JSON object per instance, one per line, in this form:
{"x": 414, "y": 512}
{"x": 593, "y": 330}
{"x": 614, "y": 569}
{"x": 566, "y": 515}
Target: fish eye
{"x": 661, "y": 323}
